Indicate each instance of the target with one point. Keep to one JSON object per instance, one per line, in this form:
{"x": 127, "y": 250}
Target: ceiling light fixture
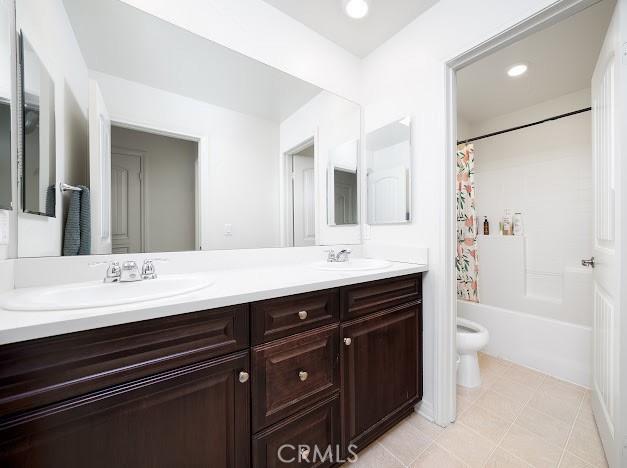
{"x": 356, "y": 9}
{"x": 517, "y": 70}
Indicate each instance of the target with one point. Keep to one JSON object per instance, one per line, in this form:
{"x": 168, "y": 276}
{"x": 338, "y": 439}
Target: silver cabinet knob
{"x": 302, "y": 375}
{"x": 302, "y": 314}
{"x": 243, "y": 376}
{"x": 347, "y": 341}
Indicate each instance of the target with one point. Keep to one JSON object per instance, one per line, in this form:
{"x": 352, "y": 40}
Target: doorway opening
{"x": 530, "y": 198}
{"x": 301, "y": 195}
{"x": 153, "y": 192}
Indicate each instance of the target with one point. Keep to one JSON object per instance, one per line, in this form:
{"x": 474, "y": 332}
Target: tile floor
{"x": 517, "y": 418}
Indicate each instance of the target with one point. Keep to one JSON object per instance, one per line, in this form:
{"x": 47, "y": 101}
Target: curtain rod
{"x": 520, "y": 127}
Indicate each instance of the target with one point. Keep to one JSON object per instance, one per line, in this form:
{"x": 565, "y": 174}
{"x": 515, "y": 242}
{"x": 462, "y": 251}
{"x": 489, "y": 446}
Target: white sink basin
{"x": 98, "y": 294}
{"x": 354, "y": 264}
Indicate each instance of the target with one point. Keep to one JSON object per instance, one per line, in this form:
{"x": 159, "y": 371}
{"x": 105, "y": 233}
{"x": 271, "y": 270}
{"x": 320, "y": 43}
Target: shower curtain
{"x": 467, "y": 260}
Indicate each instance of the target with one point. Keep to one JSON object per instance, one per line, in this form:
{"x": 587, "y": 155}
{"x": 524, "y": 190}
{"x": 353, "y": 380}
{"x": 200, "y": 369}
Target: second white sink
{"x": 92, "y": 294}
{"x": 354, "y": 264}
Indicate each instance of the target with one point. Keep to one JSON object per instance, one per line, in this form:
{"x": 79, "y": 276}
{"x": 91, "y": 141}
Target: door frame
{"x": 143, "y": 216}
{"x": 288, "y": 195}
{"x": 445, "y": 409}
{"x": 201, "y": 166}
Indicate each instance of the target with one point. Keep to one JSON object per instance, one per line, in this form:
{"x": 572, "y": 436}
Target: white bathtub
{"x": 557, "y": 348}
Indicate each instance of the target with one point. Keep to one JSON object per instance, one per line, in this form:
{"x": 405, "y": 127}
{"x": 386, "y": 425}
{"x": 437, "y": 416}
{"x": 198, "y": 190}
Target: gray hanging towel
{"x": 51, "y": 200}
{"x": 77, "y": 235}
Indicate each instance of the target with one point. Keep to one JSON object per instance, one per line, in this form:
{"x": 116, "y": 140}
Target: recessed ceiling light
{"x": 356, "y": 9}
{"x": 517, "y": 70}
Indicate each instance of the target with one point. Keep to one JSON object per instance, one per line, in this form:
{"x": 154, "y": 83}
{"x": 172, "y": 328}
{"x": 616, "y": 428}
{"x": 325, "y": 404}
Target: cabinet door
{"x": 381, "y": 371}
{"x": 195, "y": 416}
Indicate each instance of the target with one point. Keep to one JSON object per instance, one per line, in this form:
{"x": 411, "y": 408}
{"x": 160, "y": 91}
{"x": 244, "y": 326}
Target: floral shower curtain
{"x": 467, "y": 261}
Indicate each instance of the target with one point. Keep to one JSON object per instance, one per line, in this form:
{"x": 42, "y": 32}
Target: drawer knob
{"x": 302, "y": 375}
{"x": 347, "y": 341}
{"x": 243, "y": 376}
{"x": 302, "y": 314}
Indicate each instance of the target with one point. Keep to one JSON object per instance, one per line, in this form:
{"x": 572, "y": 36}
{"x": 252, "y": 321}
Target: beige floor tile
{"x": 502, "y": 459}
{"x": 501, "y": 406}
{"x": 571, "y": 461}
{"x": 513, "y": 389}
{"x": 525, "y": 376}
{"x": 425, "y": 426}
{"x": 437, "y": 457}
{"x": 470, "y": 394}
{"x": 585, "y": 412}
{"x": 485, "y": 423}
{"x": 564, "y": 410}
{"x": 406, "y": 442}
{"x": 463, "y": 404}
{"x": 486, "y": 361}
{"x": 374, "y": 456}
{"x": 531, "y": 448}
{"x": 549, "y": 428}
{"x": 562, "y": 390}
{"x": 586, "y": 444}
{"x": 466, "y": 444}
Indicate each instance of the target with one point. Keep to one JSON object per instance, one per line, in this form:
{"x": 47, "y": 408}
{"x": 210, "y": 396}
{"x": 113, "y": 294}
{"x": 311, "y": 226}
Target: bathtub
{"x": 560, "y": 349}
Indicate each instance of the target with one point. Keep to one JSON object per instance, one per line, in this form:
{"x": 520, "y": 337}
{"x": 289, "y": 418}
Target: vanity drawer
{"x": 316, "y": 428}
{"x": 292, "y": 373}
{"x": 276, "y": 318}
{"x": 365, "y": 298}
{"x": 38, "y": 372}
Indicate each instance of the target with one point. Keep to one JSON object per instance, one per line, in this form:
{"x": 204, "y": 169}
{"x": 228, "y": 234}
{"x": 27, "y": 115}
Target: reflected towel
{"x": 77, "y": 235}
{"x": 51, "y": 201}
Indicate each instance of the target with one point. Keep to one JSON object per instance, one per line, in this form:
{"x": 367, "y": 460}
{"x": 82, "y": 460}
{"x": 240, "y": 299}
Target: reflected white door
{"x": 126, "y": 213}
{"x": 304, "y": 201}
{"x": 608, "y": 169}
{"x": 99, "y": 171}
{"x": 387, "y": 189}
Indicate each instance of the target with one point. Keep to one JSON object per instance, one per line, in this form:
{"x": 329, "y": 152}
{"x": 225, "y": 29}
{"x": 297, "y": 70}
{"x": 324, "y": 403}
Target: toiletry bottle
{"x": 517, "y": 224}
{"x": 507, "y": 223}
{"x": 486, "y": 226}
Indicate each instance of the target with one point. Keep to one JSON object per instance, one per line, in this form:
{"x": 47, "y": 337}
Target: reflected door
{"x": 126, "y": 212}
{"x": 388, "y": 189}
{"x": 304, "y": 201}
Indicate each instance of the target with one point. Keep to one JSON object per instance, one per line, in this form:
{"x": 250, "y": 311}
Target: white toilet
{"x": 471, "y": 338}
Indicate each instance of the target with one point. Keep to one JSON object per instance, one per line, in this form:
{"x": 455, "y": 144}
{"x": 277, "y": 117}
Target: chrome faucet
{"x": 342, "y": 256}
{"x": 113, "y": 273}
{"x": 130, "y": 272}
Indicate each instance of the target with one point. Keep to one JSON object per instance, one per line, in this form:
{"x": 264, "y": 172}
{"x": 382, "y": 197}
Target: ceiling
{"x": 360, "y": 37}
{"x": 561, "y": 60}
{"x": 119, "y": 40}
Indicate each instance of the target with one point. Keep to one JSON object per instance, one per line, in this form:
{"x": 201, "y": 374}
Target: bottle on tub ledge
{"x": 517, "y": 224}
{"x": 507, "y": 223}
{"x": 486, "y": 226}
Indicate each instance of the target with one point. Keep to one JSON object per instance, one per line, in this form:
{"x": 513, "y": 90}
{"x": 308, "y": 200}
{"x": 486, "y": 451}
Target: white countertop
{"x": 231, "y": 286}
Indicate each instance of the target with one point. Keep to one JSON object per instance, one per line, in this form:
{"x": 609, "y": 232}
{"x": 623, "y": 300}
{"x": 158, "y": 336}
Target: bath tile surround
{"x": 518, "y": 418}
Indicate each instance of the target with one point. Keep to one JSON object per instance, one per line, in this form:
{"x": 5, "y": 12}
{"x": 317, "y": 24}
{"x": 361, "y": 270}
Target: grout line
{"x": 391, "y": 454}
{"x": 572, "y": 428}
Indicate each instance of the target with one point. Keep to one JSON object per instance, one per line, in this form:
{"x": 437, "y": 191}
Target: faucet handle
{"x": 148, "y": 269}
{"x": 114, "y": 272}
{"x": 331, "y": 255}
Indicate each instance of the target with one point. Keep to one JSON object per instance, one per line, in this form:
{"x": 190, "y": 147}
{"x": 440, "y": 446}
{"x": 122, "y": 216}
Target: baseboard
{"x": 425, "y": 409}
{"x": 560, "y": 349}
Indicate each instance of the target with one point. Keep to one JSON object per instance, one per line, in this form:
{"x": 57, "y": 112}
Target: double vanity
{"x": 310, "y": 369}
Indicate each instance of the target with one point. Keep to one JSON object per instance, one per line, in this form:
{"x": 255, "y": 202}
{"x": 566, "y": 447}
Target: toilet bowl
{"x": 471, "y": 338}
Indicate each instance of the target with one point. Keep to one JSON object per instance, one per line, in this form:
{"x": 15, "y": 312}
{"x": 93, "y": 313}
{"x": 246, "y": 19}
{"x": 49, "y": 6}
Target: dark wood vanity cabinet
{"x": 326, "y": 369}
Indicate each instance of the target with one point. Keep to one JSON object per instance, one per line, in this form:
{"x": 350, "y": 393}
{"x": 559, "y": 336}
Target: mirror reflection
{"x": 388, "y": 155}
{"x": 187, "y": 144}
{"x": 343, "y": 184}
{"x": 38, "y": 127}
{"x": 5, "y": 105}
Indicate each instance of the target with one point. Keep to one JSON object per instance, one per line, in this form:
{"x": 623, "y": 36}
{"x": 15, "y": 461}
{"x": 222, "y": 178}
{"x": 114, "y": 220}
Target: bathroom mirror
{"x": 38, "y": 133}
{"x": 342, "y": 184}
{"x": 388, "y": 156}
{"x": 6, "y": 22}
{"x": 178, "y": 143}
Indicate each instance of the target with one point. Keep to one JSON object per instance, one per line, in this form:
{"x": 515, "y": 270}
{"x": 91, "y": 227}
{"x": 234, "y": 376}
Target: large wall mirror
{"x": 6, "y": 86}
{"x": 176, "y": 143}
{"x": 388, "y": 156}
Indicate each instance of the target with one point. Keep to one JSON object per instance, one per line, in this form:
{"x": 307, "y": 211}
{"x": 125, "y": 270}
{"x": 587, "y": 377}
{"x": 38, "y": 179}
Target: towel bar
{"x": 66, "y": 187}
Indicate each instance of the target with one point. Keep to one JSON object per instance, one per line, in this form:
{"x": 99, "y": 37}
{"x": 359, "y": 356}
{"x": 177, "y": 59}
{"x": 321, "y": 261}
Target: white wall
{"x": 239, "y": 177}
{"x": 169, "y": 178}
{"x": 333, "y": 122}
{"x": 544, "y": 172}
{"x": 407, "y": 76}
{"x": 50, "y": 33}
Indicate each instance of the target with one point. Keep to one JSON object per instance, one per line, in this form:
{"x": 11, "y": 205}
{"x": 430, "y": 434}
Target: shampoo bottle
{"x": 518, "y": 224}
{"x": 486, "y": 226}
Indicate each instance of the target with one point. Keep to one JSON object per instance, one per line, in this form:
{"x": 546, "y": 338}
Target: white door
{"x": 99, "y": 171}
{"x": 387, "y": 189}
{"x": 126, "y": 213}
{"x": 609, "y": 172}
{"x": 304, "y": 201}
